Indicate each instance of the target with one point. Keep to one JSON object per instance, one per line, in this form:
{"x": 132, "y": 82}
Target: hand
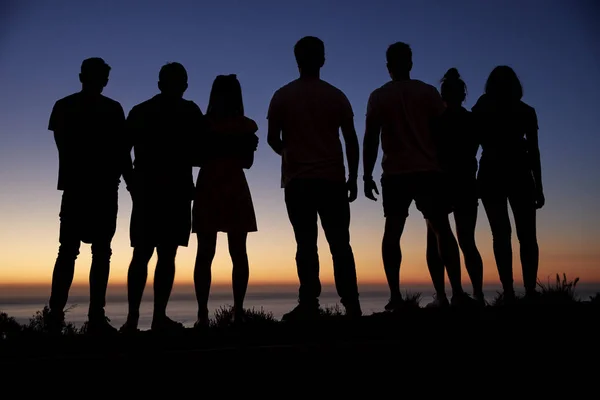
{"x": 352, "y": 187}
{"x": 540, "y": 200}
{"x": 369, "y": 187}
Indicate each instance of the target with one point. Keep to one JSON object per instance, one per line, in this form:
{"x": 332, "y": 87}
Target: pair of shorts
{"x": 429, "y": 191}
{"x": 88, "y": 216}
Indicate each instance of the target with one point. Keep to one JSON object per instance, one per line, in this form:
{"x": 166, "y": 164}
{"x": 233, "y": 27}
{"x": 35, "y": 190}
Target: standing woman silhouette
{"x": 510, "y": 173}
{"x": 222, "y": 201}
{"x": 457, "y": 146}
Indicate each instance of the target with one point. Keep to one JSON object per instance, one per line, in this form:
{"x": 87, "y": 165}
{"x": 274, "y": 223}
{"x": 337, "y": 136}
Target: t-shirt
{"x": 503, "y": 128}
{"x": 91, "y": 128}
{"x": 164, "y": 134}
{"x": 406, "y": 111}
{"x": 310, "y": 112}
{"x": 457, "y": 141}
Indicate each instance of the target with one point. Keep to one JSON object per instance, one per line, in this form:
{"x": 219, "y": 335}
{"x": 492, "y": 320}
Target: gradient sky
{"x": 553, "y": 46}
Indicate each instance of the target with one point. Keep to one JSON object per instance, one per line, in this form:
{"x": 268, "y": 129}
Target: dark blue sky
{"x": 552, "y": 45}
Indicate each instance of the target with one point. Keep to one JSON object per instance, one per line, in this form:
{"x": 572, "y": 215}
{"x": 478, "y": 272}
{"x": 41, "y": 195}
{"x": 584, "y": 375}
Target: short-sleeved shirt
{"x": 311, "y": 112}
{"x": 92, "y": 139}
{"x": 406, "y": 111}
{"x": 503, "y": 129}
{"x": 164, "y": 136}
{"x": 457, "y": 142}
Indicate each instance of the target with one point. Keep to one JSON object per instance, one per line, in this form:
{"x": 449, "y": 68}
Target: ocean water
{"x": 22, "y": 304}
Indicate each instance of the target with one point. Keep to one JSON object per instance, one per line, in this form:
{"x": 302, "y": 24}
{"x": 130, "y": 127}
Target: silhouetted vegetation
{"x": 559, "y": 292}
{"x": 224, "y": 317}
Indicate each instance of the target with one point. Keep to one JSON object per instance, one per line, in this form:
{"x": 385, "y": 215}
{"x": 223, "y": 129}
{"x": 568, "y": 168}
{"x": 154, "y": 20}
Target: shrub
{"x": 224, "y": 317}
{"x": 561, "y": 292}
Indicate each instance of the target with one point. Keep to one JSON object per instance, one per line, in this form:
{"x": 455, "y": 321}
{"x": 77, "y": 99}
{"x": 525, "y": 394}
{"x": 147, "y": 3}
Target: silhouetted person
{"x": 510, "y": 172}
{"x": 88, "y": 130}
{"x": 457, "y": 143}
{"x": 222, "y": 201}
{"x": 403, "y": 111}
{"x": 162, "y": 131}
{"x": 305, "y": 117}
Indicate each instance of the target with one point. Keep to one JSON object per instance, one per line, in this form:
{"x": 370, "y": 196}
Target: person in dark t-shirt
{"x": 92, "y": 151}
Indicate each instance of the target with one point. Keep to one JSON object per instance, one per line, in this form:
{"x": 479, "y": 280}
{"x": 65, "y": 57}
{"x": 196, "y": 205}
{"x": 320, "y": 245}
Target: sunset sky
{"x": 553, "y": 47}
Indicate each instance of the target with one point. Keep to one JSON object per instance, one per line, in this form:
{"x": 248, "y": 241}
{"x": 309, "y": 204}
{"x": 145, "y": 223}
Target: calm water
{"x": 22, "y": 304}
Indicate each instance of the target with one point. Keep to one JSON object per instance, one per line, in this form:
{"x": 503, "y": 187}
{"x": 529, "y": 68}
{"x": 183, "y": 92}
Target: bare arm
{"x": 274, "y": 136}
{"x": 352, "y": 149}
{"x": 533, "y": 152}
{"x": 370, "y": 146}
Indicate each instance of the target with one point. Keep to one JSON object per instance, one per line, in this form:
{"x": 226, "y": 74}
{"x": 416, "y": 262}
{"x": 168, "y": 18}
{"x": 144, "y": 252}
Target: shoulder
{"x": 192, "y": 107}
{"x": 285, "y": 90}
{"x": 526, "y": 108}
{"x": 111, "y": 103}
{"x": 425, "y": 87}
{"x": 67, "y": 101}
{"x": 480, "y": 104}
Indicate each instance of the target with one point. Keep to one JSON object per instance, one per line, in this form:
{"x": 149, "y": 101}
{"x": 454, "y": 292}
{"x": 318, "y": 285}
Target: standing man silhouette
{"x": 402, "y": 112}
{"x": 305, "y": 117}
{"x": 162, "y": 132}
{"x": 92, "y": 152}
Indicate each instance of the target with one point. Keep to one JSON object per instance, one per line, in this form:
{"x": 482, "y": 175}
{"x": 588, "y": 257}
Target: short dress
{"x": 222, "y": 201}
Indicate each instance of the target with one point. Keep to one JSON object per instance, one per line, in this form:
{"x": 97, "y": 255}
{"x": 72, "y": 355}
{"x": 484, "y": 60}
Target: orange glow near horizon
{"x": 272, "y": 250}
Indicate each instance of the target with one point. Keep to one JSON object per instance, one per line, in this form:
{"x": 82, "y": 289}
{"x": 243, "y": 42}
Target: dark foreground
{"x": 501, "y": 346}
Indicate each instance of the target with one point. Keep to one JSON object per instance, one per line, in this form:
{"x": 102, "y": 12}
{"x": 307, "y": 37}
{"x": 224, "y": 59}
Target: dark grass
{"x": 415, "y": 334}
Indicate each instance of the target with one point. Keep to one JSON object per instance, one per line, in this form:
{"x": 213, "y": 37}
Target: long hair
{"x": 503, "y": 84}
{"x": 225, "y": 98}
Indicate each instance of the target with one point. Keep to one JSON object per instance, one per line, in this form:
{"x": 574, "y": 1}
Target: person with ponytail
{"x": 510, "y": 173}
{"x": 457, "y": 148}
{"x": 222, "y": 202}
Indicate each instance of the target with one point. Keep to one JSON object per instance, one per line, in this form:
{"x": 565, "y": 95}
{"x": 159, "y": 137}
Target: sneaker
{"x": 480, "y": 299}
{"x": 463, "y": 300}
{"x": 100, "y": 326}
{"x": 238, "y": 317}
{"x": 438, "y": 302}
{"x": 353, "y": 309}
{"x": 130, "y": 326}
{"x": 203, "y": 320}
{"x": 303, "y": 311}
{"x": 55, "y": 322}
{"x": 166, "y": 325}
{"x": 532, "y": 297}
{"x": 394, "y": 304}
{"x": 509, "y": 297}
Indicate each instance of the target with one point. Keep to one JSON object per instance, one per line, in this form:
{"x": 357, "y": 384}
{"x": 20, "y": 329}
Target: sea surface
{"x": 23, "y": 302}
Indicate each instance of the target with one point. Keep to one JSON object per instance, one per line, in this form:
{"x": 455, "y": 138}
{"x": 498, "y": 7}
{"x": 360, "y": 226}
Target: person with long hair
{"x": 510, "y": 173}
{"x": 222, "y": 202}
{"x": 457, "y": 146}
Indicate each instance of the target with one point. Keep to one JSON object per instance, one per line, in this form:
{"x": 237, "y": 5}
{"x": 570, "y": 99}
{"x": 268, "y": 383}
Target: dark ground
{"x": 543, "y": 347}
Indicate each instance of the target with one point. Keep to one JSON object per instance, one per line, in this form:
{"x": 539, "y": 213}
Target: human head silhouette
{"x": 173, "y": 79}
{"x": 399, "y": 60}
{"x": 454, "y": 89}
{"x": 225, "y": 97}
{"x": 504, "y": 85}
{"x": 310, "y": 54}
{"x": 94, "y": 75}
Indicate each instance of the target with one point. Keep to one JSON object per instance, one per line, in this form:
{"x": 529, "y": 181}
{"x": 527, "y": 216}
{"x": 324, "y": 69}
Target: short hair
{"x": 309, "y": 52}
{"x": 94, "y": 65}
{"x": 173, "y": 72}
{"x": 399, "y": 55}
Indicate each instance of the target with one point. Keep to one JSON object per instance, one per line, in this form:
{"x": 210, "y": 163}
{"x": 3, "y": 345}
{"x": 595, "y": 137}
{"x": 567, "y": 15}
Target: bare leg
{"x": 241, "y": 271}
